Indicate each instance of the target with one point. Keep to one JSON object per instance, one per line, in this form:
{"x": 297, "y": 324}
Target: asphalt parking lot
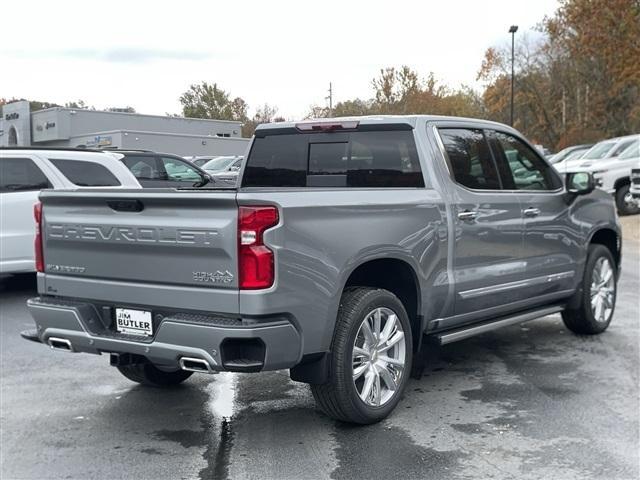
{"x": 531, "y": 401}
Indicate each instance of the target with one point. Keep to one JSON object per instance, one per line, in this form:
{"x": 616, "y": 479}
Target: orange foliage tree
{"x": 580, "y": 83}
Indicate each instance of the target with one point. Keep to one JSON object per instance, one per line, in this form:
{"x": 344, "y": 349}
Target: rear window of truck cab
{"x": 357, "y": 159}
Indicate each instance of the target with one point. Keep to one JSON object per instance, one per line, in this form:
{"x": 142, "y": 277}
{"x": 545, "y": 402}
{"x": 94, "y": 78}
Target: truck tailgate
{"x": 153, "y": 238}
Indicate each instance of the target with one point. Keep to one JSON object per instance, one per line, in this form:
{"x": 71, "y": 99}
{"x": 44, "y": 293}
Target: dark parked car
{"x": 161, "y": 170}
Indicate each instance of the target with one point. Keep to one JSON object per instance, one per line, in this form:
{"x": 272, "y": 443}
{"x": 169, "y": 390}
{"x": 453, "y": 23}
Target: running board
{"x": 451, "y": 336}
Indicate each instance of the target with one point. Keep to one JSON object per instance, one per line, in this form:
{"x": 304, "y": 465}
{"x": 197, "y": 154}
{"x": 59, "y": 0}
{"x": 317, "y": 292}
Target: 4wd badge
{"x": 213, "y": 277}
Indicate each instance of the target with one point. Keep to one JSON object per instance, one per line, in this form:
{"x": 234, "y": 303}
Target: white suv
{"x": 611, "y": 162}
{"x": 26, "y": 171}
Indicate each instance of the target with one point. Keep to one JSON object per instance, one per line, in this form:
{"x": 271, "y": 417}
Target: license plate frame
{"x": 132, "y": 321}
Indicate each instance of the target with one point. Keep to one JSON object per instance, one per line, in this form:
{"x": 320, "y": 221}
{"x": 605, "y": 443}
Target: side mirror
{"x": 234, "y": 169}
{"x": 205, "y": 179}
{"x": 580, "y": 183}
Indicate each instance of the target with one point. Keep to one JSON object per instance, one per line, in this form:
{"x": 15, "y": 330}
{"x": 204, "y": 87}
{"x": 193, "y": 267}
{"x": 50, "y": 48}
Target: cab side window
{"x": 470, "y": 158}
{"x": 21, "y": 174}
{"x": 521, "y": 167}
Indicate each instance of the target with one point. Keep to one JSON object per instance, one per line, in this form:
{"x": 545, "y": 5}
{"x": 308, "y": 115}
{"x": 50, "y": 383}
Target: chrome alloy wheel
{"x": 602, "y": 290}
{"x": 379, "y": 356}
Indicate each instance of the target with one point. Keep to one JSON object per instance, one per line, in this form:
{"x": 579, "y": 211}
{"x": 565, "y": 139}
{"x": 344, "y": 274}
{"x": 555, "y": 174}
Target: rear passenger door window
{"x": 21, "y": 174}
{"x": 470, "y": 159}
{"x": 85, "y": 174}
{"x": 521, "y": 167}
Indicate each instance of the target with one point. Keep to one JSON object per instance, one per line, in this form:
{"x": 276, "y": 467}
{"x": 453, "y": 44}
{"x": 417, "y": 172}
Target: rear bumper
{"x": 225, "y": 344}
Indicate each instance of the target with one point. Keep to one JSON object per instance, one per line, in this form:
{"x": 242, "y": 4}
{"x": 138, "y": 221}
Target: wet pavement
{"x": 531, "y": 401}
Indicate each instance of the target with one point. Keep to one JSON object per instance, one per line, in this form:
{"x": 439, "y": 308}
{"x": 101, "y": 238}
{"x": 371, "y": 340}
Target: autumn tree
{"x": 401, "y": 91}
{"x": 581, "y": 83}
{"x": 600, "y": 39}
{"x": 265, "y": 114}
{"x": 206, "y": 100}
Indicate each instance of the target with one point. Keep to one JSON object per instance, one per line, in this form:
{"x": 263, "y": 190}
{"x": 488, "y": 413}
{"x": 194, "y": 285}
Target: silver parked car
{"x": 224, "y": 170}
{"x": 570, "y": 153}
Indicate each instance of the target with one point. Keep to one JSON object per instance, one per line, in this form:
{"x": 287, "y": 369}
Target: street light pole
{"x": 512, "y": 30}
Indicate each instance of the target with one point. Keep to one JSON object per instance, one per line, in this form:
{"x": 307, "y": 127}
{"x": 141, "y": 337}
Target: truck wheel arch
{"x": 397, "y": 276}
{"x": 621, "y": 182}
{"x": 610, "y": 239}
{"x": 390, "y": 273}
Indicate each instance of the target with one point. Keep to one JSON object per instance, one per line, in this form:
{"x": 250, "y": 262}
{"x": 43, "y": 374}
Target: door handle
{"x": 531, "y": 212}
{"x": 467, "y": 215}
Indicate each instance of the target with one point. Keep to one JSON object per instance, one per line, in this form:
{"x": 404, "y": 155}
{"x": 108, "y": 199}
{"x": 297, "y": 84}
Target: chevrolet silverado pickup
{"x": 347, "y": 246}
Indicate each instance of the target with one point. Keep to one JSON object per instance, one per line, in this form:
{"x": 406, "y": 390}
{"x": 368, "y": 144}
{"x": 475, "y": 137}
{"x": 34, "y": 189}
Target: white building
{"x": 72, "y": 127}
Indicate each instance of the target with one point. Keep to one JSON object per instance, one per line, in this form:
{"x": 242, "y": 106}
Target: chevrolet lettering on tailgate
{"x": 163, "y": 235}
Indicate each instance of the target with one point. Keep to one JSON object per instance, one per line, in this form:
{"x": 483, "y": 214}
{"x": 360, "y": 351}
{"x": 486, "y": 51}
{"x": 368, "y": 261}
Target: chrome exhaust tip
{"x": 60, "y": 344}
{"x": 192, "y": 364}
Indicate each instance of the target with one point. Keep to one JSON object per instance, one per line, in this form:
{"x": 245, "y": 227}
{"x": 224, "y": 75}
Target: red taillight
{"x": 37, "y": 215}
{"x": 255, "y": 260}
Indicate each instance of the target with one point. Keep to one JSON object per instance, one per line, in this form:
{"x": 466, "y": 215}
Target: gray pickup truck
{"x": 348, "y": 246}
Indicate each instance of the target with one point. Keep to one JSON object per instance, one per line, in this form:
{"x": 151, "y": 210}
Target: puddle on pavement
{"x": 218, "y": 426}
{"x": 385, "y": 451}
{"x": 223, "y": 393}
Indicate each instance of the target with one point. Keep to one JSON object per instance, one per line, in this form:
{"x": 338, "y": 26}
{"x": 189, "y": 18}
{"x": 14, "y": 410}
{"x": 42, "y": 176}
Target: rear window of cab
{"x": 358, "y": 159}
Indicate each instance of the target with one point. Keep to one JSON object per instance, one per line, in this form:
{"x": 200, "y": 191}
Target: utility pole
{"x": 330, "y": 98}
{"x": 512, "y": 30}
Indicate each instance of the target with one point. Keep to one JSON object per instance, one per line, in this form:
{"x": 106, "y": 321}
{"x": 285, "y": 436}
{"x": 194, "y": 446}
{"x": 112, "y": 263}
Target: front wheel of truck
{"x": 371, "y": 357}
{"x": 150, "y": 375}
{"x": 596, "y": 300}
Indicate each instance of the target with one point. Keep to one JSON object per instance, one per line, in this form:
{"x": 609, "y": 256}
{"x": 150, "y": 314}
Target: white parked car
{"x": 635, "y": 185}
{"x": 612, "y": 173}
{"x": 26, "y": 171}
{"x": 605, "y": 149}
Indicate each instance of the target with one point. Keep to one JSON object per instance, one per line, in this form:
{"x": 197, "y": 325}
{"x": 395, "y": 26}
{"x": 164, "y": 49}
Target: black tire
{"x": 581, "y": 319}
{"x": 338, "y": 397}
{"x": 625, "y": 207}
{"x": 150, "y": 375}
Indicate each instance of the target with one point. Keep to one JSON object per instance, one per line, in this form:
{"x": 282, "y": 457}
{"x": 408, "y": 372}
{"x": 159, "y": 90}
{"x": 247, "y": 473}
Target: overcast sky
{"x": 145, "y": 54}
